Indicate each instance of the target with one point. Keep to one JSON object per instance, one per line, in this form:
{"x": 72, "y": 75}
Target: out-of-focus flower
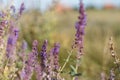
{"x": 22, "y": 55}
{"x": 16, "y": 31}
{"x": 2, "y": 14}
{"x": 55, "y": 54}
{"x": 38, "y": 72}
{"x": 22, "y": 8}
{"x": 12, "y": 39}
{"x": 13, "y": 8}
{"x": 3, "y": 24}
{"x": 27, "y": 71}
{"x": 43, "y": 54}
{"x": 24, "y": 45}
{"x": 1, "y": 30}
{"x": 51, "y": 63}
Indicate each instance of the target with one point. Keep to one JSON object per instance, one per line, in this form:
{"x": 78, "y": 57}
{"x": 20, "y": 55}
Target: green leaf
{"x": 73, "y": 68}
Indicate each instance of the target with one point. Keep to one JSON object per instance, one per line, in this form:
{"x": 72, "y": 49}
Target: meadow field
{"x": 54, "y": 26}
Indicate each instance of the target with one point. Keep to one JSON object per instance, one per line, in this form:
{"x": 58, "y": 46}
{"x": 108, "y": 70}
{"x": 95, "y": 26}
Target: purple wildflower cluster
{"x": 40, "y": 67}
{"x": 49, "y": 61}
{"x": 30, "y": 63}
{"x": 79, "y": 37}
{"x": 11, "y": 43}
{"x": 80, "y": 26}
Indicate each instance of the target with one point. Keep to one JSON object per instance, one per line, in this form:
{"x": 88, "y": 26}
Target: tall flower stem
{"x": 67, "y": 60}
{"x": 79, "y": 37}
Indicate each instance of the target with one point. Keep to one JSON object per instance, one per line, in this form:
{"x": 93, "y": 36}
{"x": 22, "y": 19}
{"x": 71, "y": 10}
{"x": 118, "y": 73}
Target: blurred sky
{"x": 43, "y": 4}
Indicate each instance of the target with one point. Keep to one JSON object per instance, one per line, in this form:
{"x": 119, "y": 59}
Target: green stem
{"x": 67, "y": 60}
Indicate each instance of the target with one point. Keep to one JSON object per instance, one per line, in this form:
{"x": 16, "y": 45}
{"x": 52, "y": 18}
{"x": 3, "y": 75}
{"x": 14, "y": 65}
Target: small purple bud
{"x": 10, "y": 41}
{"x": 35, "y": 43}
{"x": 16, "y": 31}
{"x": 56, "y": 48}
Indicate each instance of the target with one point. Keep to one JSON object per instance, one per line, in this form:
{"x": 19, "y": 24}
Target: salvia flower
{"x": 43, "y": 54}
{"x": 33, "y": 56}
{"x": 22, "y": 7}
{"x": 3, "y": 24}
{"x": 12, "y": 39}
{"x": 27, "y": 71}
{"x": 80, "y": 26}
{"x": 38, "y": 71}
{"x": 1, "y": 30}
{"x": 2, "y": 14}
{"x": 22, "y": 55}
{"x": 79, "y": 36}
{"x": 56, "y": 54}
{"x": 51, "y": 63}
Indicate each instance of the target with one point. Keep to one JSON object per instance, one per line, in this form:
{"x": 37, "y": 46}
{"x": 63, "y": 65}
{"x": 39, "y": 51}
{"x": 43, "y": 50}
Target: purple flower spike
{"x": 34, "y": 48}
{"x": 80, "y": 26}
{"x": 12, "y": 39}
{"x": 38, "y": 72}
{"x": 13, "y": 8}
{"x": 22, "y": 8}
{"x": 43, "y": 54}
{"x": 30, "y": 64}
{"x": 55, "y": 54}
{"x": 22, "y": 55}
